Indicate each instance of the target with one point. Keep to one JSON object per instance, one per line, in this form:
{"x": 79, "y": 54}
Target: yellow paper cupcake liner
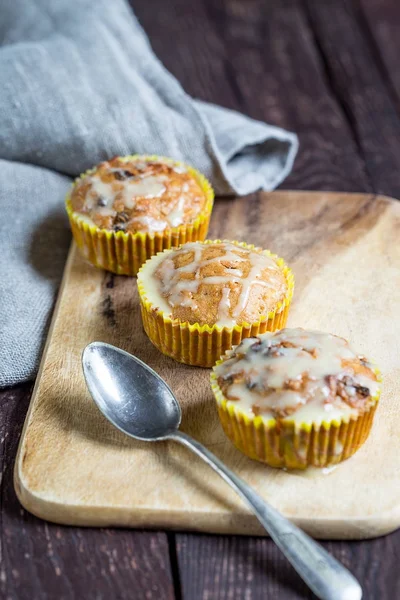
{"x": 202, "y": 345}
{"x": 290, "y": 445}
{"x": 122, "y": 252}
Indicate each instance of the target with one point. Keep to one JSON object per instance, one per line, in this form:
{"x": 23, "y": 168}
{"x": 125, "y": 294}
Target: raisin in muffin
{"x": 126, "y": 209}
{"x": 200, "y": 299}
{"x": 296, "y": 398}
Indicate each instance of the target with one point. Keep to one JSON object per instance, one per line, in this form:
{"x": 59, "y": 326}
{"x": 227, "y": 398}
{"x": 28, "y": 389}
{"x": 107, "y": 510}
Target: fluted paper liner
{"x": 123, "y": 252}
{"x": 202, "y": 345}
{"x": 290, "y": 445}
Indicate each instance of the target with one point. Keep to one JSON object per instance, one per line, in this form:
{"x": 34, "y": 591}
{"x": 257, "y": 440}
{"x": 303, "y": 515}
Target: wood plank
{"x": 261, "y": 59}
{"x": 233, "y": 568}
{"x": 354, "y": 70}
{"x": 341, "y": 248}
{"x": 381, "y": 25}
{"x": 42, "y": 560}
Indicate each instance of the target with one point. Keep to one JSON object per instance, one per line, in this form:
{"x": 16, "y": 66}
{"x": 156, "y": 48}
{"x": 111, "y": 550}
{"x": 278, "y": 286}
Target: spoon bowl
{"x": 129, "y": 393}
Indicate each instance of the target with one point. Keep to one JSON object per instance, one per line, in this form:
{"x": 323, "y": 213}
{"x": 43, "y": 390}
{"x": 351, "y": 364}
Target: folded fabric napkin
{"x": 80, "y": 84}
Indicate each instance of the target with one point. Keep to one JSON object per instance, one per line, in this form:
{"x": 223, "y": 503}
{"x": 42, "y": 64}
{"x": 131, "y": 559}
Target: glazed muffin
{"x": 202, "y": 298}
{"x": 127, "y": 209}
{"x": 296, "y": 398}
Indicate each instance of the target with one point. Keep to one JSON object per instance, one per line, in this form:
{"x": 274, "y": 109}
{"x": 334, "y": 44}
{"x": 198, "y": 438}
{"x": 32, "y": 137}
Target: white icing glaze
{"x": 338, "y": 448}
{"x": 328, "y": 470}
{"x": 267, "y": 367}
{"x": 146, "y": 187}
{"x": 149, "y": 222}
{"x": 175, "y": 217}
{"x": 104, "y": 211}
{"x": 145, "y": 276}
{"x": 177, "y": 291}
{"x": 101, "y": 196}
{"x": 86, "y": 219}
{"x": 129, "y": 190}
{"x": 223, "y": 309}
{"x": 254, "y": 276}
{"x": 312, "y": 472}
{"x": 141, "y": 165}
{"x": 99, "y": 189}
{"x": 179, "y": 169}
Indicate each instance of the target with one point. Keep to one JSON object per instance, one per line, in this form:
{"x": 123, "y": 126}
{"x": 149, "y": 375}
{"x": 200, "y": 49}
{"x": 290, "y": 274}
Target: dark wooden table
{"x": 329, "y": 70}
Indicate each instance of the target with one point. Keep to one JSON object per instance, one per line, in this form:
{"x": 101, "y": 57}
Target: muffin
{"x": 201, "y": 299}
{"x": 296, "y": 398}
{"x": 127, "y": 209}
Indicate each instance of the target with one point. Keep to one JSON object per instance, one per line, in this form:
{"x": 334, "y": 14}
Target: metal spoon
{"x": 139, "y": 403}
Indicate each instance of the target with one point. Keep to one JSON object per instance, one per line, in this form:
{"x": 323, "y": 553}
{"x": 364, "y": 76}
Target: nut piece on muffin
{"x": 210, "y": 295}
{"x": 153, "y": 202}
{"x": 296, "y": 398}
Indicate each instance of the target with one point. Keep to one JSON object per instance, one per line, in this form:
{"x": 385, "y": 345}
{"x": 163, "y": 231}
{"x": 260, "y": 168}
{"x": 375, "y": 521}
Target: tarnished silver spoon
{"x": 139, "y": 403}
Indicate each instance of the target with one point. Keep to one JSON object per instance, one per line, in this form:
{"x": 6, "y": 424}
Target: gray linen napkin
{"x": 79, "y": 84}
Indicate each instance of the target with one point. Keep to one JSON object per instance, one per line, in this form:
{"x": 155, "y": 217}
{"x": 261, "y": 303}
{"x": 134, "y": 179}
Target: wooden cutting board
{"x": 73, "y": 467}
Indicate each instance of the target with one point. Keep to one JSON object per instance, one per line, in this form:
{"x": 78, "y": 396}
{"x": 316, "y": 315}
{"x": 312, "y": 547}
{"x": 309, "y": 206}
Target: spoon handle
{"x": 325, "y": 576}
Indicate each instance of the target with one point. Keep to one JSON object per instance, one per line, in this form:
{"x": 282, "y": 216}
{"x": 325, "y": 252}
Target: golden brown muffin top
{"x": 307, "y": 376}
{"x": 215, "y": 283}
{"x": 138, "y": 195}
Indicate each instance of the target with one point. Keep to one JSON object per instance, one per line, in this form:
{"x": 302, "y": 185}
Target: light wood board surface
{"x": 73, "y": 467}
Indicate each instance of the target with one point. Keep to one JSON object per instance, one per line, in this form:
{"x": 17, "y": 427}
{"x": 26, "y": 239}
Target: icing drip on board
{"x": 177, "y": 289}
{"x": 287, "y": 374}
